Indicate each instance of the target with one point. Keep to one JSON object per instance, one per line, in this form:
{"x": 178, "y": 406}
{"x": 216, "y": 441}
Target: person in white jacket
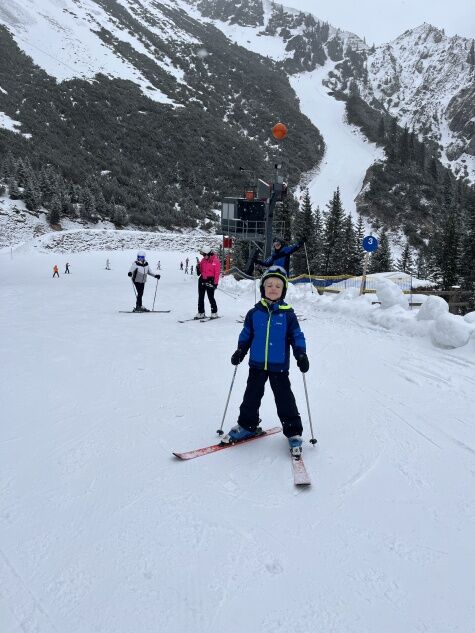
{"x": 139, "y": 271}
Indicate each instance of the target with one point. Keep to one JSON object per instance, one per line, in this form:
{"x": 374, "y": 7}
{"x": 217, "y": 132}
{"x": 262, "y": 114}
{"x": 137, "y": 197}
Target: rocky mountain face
{"x": 426, "y": 81}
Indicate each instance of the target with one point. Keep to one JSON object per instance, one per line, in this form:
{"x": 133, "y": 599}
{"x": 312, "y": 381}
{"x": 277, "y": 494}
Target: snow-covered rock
{"x": 432, "y": 308}
{"x": 450, "y": 330}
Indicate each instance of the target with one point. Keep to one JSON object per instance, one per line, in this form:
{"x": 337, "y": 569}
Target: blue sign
{"x": 370, "y": 244}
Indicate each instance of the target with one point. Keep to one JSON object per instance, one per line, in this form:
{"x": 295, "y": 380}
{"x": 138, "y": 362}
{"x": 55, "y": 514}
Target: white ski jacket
{"x": 140, "y": 271}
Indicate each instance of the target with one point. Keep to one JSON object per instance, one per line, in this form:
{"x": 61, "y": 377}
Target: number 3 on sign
{"x": 370, "y": 244}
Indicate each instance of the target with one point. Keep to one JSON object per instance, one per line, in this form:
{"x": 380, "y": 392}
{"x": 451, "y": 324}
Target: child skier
{"x": 55, "y": 271}
{"x": 270, "y": 328}
{"x": 139, "y": 271}
{"x": 280, "y": 255}
{"x": 208, "y": 270}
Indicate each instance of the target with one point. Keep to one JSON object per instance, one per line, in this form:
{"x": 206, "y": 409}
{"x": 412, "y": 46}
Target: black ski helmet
{"x": 275, "y": 271}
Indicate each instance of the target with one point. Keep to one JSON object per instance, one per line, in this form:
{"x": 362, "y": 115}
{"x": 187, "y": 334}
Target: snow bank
{"x": 432, "y": 308}
{"x": 470, "y": 317}
{"x": 450, "y": 330}
{"x": 389, "y": 294}
{"x": 432, "y": 321}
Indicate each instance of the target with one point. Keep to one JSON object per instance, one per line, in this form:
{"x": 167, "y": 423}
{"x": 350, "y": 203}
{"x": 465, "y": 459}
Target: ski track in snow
{"x": 102, "y": 529}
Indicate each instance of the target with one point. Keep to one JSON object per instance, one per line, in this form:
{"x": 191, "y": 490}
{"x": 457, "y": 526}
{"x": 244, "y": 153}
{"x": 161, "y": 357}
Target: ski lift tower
{"x": 251, "y": 219}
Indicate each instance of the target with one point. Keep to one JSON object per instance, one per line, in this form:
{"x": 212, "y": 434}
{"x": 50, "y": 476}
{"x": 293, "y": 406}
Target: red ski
{"x": 301, "y": 476}
{"x": 219, "y": 447}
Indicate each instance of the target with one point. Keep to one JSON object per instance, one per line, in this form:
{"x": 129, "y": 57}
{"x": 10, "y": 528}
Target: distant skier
{"x": 159, "y": 265}
{"x": 280, "y": 256}
{"x": 186, "y": 268}
{"x": 108, "y": 265}
{"x": 270, "y": 329}
{"x": 139, "y": 271}
{"x": 181, "y": 265}
{"x": 66, "y": 272}
{"x": 191, "y": 270}
{"x": 55, "y": 271}
{"x": 208, "y": 270}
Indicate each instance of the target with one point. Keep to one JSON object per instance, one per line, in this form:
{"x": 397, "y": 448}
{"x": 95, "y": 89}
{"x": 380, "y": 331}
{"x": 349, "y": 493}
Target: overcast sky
{"x": 383, "y": 20}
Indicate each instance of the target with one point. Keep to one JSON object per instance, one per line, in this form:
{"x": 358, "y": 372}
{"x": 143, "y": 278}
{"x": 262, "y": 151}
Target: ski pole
{"x": 220, "y": 430}
{"x": 133, "y": 286}
{"x": 312, "y": 440}
{"x": 308, "y": 267}
{"x": 153, "y": 307}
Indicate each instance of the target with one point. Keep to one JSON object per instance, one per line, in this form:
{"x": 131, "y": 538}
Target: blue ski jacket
{"x": 280, "y": 257}
{"x": 269, "y": 331}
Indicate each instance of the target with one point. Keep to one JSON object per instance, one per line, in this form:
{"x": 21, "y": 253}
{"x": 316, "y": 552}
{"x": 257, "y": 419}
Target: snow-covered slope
{"x": 63, "y": 38}
{"x": 348, "y": 154}
{"x": 102, "y": 530}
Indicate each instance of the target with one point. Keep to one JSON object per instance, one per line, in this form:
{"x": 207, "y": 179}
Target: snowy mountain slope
{"x": 423, "y": 78}
{"x": 348, "y": 154}
{"x": 102, "y": 530}
{"x": 73, "y": 28}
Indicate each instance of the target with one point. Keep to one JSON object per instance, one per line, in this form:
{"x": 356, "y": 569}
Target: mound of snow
{"x": 450, "y": 330}
{"x": 470, "y": 317}
{"x": 389, "y": 294}
{"x": 432, "y": 308}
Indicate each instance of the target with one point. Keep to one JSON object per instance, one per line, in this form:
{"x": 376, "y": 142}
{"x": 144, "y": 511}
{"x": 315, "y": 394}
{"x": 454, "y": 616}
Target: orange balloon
{"x": 279, "y": 131}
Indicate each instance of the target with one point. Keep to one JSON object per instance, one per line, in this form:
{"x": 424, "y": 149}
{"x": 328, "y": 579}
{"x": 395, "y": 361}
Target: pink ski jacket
{"x": 210, "y": 267}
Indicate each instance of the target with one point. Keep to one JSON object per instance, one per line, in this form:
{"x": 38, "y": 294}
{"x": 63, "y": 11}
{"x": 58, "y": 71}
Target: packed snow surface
{"x": 103, "y": 530}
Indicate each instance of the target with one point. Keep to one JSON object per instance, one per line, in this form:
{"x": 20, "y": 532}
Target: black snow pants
{"x": 139, "y": 287}
{"x": 209, "y": 290}
{"x": 284, "y": 400}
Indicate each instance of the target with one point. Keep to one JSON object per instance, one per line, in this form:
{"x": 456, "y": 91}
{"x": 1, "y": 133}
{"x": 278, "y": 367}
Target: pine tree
{"x": 304, "y": 226}
{"x": 13, "y": 189}
{"x": 32, "y": 195}
{"x": 316, "y": 263}
{"x": 381, "y": 130}
{"x": 88, "y": 204}
{"x": 283, "y": 217}
{"x": 351, "y": 259}
{"x": 54, "y": 209}
{"x": 406, "y": 263}
{"x": 450, "y": 251}
{"x": 381, "y": 261}
{"x": 332, "y": 251}
{"x": 403, "y": 149}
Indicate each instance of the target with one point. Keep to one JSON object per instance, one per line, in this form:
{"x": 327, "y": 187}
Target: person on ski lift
{"x": 208, "y": 271}
{"x": 280, "y": 255}
{"x": 139, "y": 271}
{"x": 270, "y": 329}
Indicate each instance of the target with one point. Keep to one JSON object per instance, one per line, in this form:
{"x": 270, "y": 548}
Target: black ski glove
{"x": 302, "y": 363}
{"x": 237, "y": 357}
{"x": 302, "y": 240}
{"x": 157, "y": 276}
{"x": 129, "y": 274}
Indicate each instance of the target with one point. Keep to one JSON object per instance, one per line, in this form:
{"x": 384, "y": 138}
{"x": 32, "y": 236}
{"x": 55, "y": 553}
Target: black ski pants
{"x": 284, "y": 400}
{"x": 209, "y": 290}
{"x": 139, "y": 287}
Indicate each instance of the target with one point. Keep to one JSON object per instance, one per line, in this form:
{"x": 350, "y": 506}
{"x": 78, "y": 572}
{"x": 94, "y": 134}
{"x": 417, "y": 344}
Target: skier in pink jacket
{"x": 208, "y": 269}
